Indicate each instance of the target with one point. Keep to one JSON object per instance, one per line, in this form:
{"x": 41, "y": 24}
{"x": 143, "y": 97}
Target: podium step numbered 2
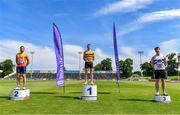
{"x": 20, "y": 94}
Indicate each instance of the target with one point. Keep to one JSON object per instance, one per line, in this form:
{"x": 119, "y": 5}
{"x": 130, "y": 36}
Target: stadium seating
{"x": 70, "y": 76}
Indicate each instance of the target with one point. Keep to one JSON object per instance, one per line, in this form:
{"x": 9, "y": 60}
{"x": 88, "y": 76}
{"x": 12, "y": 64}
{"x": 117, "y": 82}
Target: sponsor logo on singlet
{"x": 20, "y": 61}
{"x": 89, "y": 56}
{"x": 159, "y": 62}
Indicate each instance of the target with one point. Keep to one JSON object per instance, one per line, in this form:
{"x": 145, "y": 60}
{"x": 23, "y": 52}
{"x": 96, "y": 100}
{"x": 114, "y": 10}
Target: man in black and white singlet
{"x": 159, "y": 63}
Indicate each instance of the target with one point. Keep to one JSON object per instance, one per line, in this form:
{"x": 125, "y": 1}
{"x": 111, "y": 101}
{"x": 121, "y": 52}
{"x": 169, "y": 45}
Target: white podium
{"x": 89, "y": 92}
{"x": 163, "y": 99}
{"x": 20, "y": 94}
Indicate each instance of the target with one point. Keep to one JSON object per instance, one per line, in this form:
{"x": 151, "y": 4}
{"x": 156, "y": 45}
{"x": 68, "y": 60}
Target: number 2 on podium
{"x": 16, "y": 94}
{"x": 90, "y": 90}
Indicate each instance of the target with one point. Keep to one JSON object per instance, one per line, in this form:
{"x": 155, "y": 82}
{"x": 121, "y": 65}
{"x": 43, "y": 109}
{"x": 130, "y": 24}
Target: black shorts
{"x": 160, "y": 74}
{"x": 88, "y": 65}
{"x": 20, "y": 70}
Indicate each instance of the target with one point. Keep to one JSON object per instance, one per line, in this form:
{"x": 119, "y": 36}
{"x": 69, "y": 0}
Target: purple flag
{"x": 59, "y": 56}
{"x": 116, "y": 54}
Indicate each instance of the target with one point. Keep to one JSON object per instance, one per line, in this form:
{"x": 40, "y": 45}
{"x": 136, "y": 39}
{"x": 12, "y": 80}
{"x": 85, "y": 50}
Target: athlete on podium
{"x": 22, "y": 62}
{"x": 159, "y": 63}
{"x": 88, "y": 57}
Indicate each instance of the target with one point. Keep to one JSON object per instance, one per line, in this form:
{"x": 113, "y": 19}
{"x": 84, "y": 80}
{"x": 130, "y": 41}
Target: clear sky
{"x": 140, "y": 24}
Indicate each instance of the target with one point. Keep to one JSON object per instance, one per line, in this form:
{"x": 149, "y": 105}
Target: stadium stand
{"x": 69, "y": 75}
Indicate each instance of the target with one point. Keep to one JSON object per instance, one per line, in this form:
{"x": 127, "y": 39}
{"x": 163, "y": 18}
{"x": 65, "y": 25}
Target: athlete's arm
{"x": 84, "y": 56}
{"x": 152, "y": 62}
{"x": 16, "y": 60}
{"x": 93, "y": 56}
{"x": 27, "y": 58}
{"x": 165, "y": 61}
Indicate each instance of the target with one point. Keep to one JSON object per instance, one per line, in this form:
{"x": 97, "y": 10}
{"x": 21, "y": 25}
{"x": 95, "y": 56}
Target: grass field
{"x": 46, "y": 98}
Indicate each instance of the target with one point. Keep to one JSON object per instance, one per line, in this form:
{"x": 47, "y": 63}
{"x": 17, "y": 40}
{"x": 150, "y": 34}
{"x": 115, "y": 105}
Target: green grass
{"x": 46, "y": 98}
{"x": 173, "y": 77}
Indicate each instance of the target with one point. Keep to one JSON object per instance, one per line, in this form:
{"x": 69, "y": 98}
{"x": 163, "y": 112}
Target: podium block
{"x": 89, "y": 92}
{"x": 20, "y": 94}
{"x": 163, "y": 99}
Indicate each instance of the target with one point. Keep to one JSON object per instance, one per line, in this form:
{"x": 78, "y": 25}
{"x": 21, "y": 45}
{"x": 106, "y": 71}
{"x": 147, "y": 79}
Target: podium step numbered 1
{"x": 20, "y": 94}
{"x": 89, "y": 92}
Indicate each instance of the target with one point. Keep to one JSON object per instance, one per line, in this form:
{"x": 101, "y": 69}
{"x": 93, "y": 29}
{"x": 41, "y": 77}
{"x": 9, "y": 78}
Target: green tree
{"x": 178, "y": 58}
{"x": 137, "y": 72}
{"x": 104, "y": 65}
{"x": 126, "y": 67}
{"x": 147, "y": 69}
{"x": 98, "y": 67}
{"x": 7, "y": 67}
{"x": 178, "y": 63}
{"x": 173, "y": 64}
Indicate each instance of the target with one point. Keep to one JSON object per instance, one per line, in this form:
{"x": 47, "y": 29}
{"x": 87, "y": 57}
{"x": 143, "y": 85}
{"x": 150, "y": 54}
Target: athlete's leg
{"x": 18, "y": 79}
{"x": 157, "y": 86}
{"x": 163, "y": 85}
{"x": 24, "y": 80}
{"x": 24, "y": 77}
{"x": 86, "y": 75}
{"x": 91, "y": 75}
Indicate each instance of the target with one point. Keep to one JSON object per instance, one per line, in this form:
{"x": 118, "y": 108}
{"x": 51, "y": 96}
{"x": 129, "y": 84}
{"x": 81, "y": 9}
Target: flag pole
{"x": 64, "y": 88}
{"x": 116, "y": 57}
{"x": 58, "y": 45}
{"x": 118, "y": 86}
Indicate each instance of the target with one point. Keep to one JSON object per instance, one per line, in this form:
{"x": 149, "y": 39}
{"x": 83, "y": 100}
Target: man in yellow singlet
{"x": 22, "y": 61}
{"x": 88, "y": 57}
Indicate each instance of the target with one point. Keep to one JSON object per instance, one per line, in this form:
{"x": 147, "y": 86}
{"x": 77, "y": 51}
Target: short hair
{"x": 22, "y": 47}
{"x": 88, "y": 45}
{"x": 156, "y": 48}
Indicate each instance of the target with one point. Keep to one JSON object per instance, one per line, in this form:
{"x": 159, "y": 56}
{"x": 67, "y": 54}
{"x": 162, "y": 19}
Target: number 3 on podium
{"x": 90, "y": 90}
{"x": 164, "y": 98}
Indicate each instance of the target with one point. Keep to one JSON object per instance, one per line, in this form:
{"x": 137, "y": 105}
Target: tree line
{"x": 126, "y": 66}
{"x": 6, "y": 67}
{"x": 172, "y": 67}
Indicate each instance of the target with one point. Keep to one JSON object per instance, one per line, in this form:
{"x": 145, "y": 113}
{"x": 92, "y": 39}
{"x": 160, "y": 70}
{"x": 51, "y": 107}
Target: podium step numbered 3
{"x": 163, "y": 99}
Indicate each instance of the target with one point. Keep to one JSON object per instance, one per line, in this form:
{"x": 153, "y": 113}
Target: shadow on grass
{"x": 70, "y": 97}
{"x": 104, "y": 92}
{"x": 43, "y": 93}
{"x": 136, "y": 100}
{"x": 5, "y": 97}
{"x": 98, "y": 92}
{"x": 75, "y": 92}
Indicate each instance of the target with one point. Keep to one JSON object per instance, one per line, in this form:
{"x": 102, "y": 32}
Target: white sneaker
{"x": 24, "y": 88}
{"x": 157, "y": 94}
{"x": 85, "y": 83}
{"x": 92, "y": 83}
{"x": 17, "y": 88}
{"x": 165, "y": 94}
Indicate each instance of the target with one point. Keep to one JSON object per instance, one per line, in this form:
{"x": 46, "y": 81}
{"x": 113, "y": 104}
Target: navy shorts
{"x": 160, "y": 74}
{"x": 21, "y": 70}
{"x": 88, "y": 65}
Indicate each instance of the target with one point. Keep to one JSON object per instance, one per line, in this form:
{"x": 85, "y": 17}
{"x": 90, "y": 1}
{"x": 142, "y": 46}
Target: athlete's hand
{"x": 27, "y": 64}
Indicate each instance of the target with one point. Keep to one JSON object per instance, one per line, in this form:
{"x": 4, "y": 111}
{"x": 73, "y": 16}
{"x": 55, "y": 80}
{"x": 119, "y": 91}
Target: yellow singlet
{"x": 88, "y": 56}
{"x": 21, "y": 59}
